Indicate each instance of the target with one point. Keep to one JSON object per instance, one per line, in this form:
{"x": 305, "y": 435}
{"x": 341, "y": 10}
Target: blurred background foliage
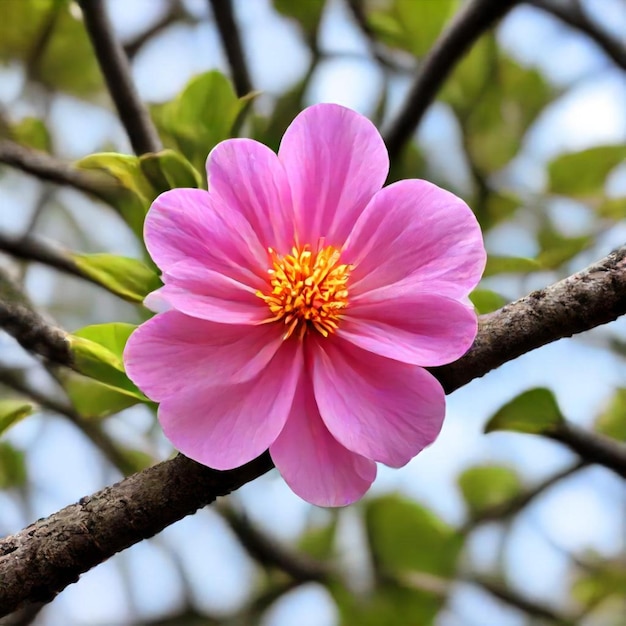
{"x": 485, "y": 530}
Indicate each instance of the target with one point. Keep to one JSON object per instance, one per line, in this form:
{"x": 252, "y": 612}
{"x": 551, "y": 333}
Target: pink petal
{"x": 184, "y": 224}
{"x": 416, "y": 236}
{"x": 247, "y": 176}
{"x": 422, "y": 329}
{"x": 382, "y": 409}
{"x": 314, "y": 464}
{"x": 172, "y": 353}
{"x": 197, "y": 291}
{"x": 225, "y": 426}
{"x": 335, "y": 161}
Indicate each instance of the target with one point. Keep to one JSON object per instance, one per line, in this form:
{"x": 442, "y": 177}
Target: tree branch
{"x": 41, "y": 560}
{"x": 590, "y": 298}
{"x": 592, "y": 447}
{"x": 45, "y": 557}
{"x": 48, "y": 168}
{"x": 231, "y": 42}
{"x": 116, "y": 71}
{"x": 575, "y": 18}
{"x": 30, "y": 248}
{"x": 476, "y": 17}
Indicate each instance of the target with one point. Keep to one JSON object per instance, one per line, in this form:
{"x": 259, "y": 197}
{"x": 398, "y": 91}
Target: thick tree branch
{"x": 116, "y": 71}
{"x": 231, "y": 42}
{"x": 590, "y": 298}
{"x": 575, "y": 17}
{"x": 476, "y": 17}
{"x": 41, "y": 560}
{"x": 48, "y": 168}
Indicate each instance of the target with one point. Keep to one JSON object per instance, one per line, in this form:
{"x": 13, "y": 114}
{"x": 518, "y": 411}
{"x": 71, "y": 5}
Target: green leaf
{"x": 128, "y": 278}
{"x": 612, "y": 208}
{"x": 133, "y": 193}
{"x": 308, "y": 14}
{"x": 201, "y": 116}
{"x": 12, "y": 466}
{"x": 30, "y": 132}
{"x": 534, "y": 411}
{"x": 391, "y": 602}
{"x": 488, "y": 485}
{"x": 599, "y": 582}
{"x": 318, "y": 542}
{"x": 94, "y": 399}
{"x": 409, "y": 25}
{"x": 509, "y": 265}
{"x": 51, "y": 41}
{"x": 169, "y": 170}
{"x": 12, "y": 410}
{"x": 495, "y": 208}
{"x": 556, "y": 249}
{"x": 496, "y": 105}
{"x": 612, "y": 421}
{"x": 98, "y": 353}
{"x": 487, "y": 301}
{"x": 406, "y": 537}
{"x": 583, "y": 174}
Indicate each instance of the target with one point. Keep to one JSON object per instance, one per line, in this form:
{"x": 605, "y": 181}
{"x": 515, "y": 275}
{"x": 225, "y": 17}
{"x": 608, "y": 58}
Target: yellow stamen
{"x": 307, "y": 290}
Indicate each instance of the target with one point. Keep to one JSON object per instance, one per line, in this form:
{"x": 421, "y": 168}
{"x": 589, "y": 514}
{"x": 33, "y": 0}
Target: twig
{"x": 592, "y": 447}
{"x": 516, "y": 504}
{"x": 267, "y": 551}
{"x": 31, "y": 248}
{"x": 116, "y": 71}
{"x": 85, "y": 534}
{"x": 576, "y": 18}
{"x": 89, "y": 428}
{"x": 466, "y": 27}
{"x": 513, "y": 598}
{"x": 231, "y": 42}
{"x": 48, "y": 168}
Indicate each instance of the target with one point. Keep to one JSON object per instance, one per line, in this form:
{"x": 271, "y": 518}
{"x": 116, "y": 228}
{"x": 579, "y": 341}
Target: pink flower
{"x": 303, "y": 303}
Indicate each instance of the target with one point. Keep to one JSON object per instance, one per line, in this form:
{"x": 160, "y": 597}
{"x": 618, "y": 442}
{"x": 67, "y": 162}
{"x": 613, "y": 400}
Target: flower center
{"x": 308, "y": 290}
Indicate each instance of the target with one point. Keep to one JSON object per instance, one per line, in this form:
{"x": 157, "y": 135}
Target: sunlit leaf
{"x": 169, "y": 170}
{"x": 583, "y": 174}
{"x": 510, "y": 265}
{"x": 486, "y": 300}
{"x": 125, "y": 277}
{"x": 30, "y": 132}
{"x": 308, "y": 14}
{"x": 12, "y": 410}
{"x": 600, "y": 582}
{"x": 612, "y": 208}
{"x": 488, "y": 485}
{"x": 612, "y": 420}
{"x": 409, "y": 25}
{"x": 94, "y": 399}
{"x": 406, "y": 537}
{"x": 133, "y": 194}
{"x": 97, "y": 352}
{"x": 534, "y": 411}
{"x": 50, "y": 40}
{"x": 13, "y": 471}
{"x": 201, "y": 116}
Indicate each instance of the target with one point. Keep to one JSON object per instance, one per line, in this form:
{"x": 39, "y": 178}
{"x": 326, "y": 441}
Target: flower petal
{"x": 422, "y": 329}
{"x": 172, "y": 353}
{"x": 382, "y": 409}
{"x": 415, "y": 235}
{"x": 225, "y": 426}
{"x": 185, "y": 224}
{"x": 335, "y": 161}
{"x": 197, "y": 291}
{"x": 312, "y": 462}
{"x": 248, "y": 176}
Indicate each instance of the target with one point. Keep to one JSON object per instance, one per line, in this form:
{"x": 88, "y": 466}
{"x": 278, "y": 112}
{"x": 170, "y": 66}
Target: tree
{"x": 453, "y": 58}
